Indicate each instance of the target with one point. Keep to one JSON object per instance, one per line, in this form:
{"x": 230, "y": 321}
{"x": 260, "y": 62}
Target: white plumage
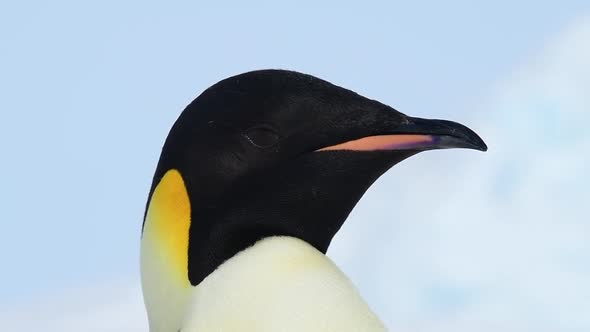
{"x": 279, "y": 284}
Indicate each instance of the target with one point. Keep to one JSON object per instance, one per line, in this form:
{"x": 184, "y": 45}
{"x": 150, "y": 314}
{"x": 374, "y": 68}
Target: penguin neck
{"x": 280, "y": 283}
{"x": 164, "y": 246}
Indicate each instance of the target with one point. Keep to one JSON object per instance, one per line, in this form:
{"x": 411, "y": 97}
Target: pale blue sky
{"x": 90, "y": 90}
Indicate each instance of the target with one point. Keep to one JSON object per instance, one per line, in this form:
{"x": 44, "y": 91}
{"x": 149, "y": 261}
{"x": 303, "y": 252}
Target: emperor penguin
{"x": 255, "y": 178}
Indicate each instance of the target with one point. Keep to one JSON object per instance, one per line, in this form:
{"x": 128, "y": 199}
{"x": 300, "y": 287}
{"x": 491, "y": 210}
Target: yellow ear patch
{"x": 167, "y": 223}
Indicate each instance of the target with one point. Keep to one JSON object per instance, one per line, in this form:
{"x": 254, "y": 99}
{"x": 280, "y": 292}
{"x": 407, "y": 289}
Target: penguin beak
{"x": 416, "y": 134}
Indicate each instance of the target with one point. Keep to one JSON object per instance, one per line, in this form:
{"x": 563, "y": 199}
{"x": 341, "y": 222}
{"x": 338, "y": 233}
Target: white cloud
{"x": 453, "y": 240}
{"x": 498, "y": 240}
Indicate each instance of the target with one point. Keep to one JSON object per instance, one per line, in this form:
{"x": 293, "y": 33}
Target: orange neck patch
{"x": 167, "y": 224}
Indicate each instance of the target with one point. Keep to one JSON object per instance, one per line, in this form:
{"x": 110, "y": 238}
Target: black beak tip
{"x": 481, "y": 145}
{"x": 460, "y": 136}
{"x": 473, "y": 139}
{"x": 449, "y": 134}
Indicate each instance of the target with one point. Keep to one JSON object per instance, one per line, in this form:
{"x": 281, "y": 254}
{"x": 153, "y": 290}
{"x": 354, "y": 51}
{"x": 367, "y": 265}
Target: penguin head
{"x": 275, "y": 152}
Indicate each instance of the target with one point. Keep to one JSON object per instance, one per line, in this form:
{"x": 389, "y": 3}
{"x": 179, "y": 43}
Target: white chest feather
{"x": 279, "y": 284}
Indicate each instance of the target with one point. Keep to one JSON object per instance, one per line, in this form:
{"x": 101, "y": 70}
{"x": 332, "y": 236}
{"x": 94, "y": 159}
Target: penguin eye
{"x": 262, "y": 137}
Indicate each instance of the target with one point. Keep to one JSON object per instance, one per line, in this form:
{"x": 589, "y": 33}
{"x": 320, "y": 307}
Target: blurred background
{"x": 445, "y": 241}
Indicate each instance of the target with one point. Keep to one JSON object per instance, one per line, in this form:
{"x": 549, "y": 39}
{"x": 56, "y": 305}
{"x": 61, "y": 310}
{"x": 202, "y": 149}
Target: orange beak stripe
{"x": 385, "y": 142}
